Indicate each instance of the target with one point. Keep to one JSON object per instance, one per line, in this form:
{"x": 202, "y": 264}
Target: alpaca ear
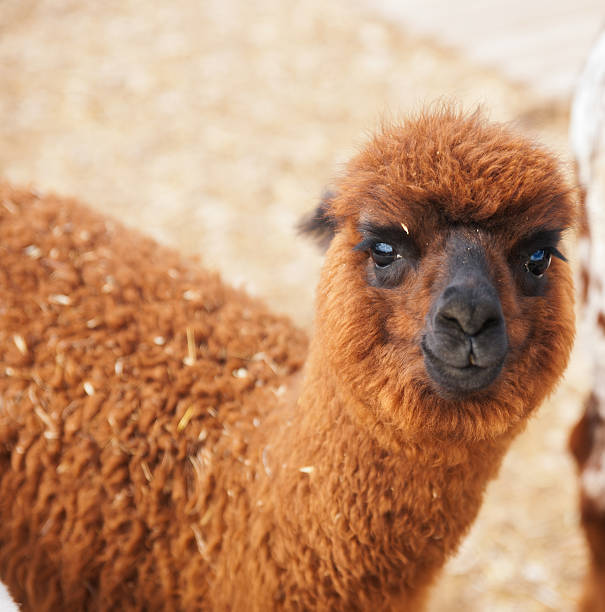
{"x": 581, "y": 439}
{"x": 320, "y": 224}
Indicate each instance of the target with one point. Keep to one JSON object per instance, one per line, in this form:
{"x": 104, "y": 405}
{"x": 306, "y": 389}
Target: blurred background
{"x": 213, "y": 125}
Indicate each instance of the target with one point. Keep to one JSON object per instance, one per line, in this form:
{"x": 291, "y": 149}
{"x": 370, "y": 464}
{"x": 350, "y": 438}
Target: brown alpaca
{"x": 153, "y": 454}
{"x": 587, "y": 440}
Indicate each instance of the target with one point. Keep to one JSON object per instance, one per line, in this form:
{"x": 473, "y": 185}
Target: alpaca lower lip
{"x": 453, "y": 379}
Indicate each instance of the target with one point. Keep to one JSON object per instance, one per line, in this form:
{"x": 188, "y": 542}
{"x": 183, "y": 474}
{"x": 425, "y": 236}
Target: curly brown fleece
{"x": 151, "y": 453}
{"x": 111, "y": 430}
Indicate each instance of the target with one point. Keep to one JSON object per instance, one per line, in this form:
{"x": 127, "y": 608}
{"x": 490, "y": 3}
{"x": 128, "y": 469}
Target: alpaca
{"x": 587, "y": 439}
{"x": 587, "y": 444}
{"x": 160, "y": 448}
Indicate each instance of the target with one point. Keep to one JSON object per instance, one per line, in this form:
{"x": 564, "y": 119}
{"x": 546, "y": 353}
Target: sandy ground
{"x": 213, "y": 126}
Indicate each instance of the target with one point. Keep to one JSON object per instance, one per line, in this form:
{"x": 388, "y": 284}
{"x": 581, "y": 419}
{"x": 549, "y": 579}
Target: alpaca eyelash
{"x": 543, "y": 240}
{"x": 393, "y": 235}
{"x": 556, "y": 253}
{"x": 367, "y": 243}
{"x": 550, "y": 250}
{"x": 540, "y": 268}
{"x": 370, "y": 245}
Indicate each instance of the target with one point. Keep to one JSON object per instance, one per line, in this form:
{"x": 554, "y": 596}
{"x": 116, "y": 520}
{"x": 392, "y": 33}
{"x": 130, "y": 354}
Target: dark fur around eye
{"x": 387, "y": 277}
{"x": 392, "y": 235}
{"x": 547, "y": 240}
{"x": 386, "y": 270}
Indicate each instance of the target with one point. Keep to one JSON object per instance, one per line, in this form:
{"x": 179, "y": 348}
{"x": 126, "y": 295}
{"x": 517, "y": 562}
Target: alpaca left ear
{"x": 320, "y": 224}
{"x": 581, "y": 439}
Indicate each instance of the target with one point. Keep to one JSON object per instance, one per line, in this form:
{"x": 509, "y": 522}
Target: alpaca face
{"x": 464, "y": 340}
{"x": 444, "y": 287}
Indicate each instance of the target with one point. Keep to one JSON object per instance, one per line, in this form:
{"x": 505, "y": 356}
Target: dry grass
{"x": 213, "y": 126}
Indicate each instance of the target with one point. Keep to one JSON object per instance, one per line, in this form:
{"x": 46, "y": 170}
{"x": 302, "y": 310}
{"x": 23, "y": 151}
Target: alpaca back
{"x": 129, "y": 380}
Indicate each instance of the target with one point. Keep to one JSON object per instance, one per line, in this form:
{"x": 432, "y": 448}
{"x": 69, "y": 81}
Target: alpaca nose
{"x": 469, "y": 308}
{"x": 465, "y": 341}
{"x": 468, "y": 325}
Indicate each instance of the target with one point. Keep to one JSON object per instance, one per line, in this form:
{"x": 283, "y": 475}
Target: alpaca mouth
{"x": 454, "y": 379}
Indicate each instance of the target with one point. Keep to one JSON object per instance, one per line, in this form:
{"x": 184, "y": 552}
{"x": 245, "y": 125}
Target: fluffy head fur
{"x": 439, "y": 174}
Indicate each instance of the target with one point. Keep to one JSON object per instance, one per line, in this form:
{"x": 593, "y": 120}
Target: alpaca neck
{"x": 375, "y": 516}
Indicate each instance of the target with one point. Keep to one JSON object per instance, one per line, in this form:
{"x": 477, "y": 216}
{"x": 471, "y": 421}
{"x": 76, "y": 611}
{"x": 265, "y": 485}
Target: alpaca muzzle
{"x": 465, "y": 341}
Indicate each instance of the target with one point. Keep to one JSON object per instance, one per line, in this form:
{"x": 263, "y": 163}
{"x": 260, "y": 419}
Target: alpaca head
{"x": 445, "y": 303}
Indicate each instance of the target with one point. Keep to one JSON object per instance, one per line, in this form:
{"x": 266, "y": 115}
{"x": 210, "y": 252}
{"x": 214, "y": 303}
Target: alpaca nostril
{"x": 467, "y": 327}
{"x": 468, "y": 322}
{"x": 465, "y": 344}
{"x": 489, "y": 323}
{"x": 471, "y": 310}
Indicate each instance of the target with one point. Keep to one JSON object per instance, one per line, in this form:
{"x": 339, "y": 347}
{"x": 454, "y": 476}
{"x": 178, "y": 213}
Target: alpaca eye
{"x": 538, "y": 262}
{"x": 383, "y": 254}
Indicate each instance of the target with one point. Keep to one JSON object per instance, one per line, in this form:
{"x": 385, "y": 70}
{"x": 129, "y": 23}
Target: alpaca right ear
{"x": 320, "y": 224}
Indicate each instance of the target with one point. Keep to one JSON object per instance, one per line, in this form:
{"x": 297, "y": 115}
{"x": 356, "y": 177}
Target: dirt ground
{"x": 213, "y": 126}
